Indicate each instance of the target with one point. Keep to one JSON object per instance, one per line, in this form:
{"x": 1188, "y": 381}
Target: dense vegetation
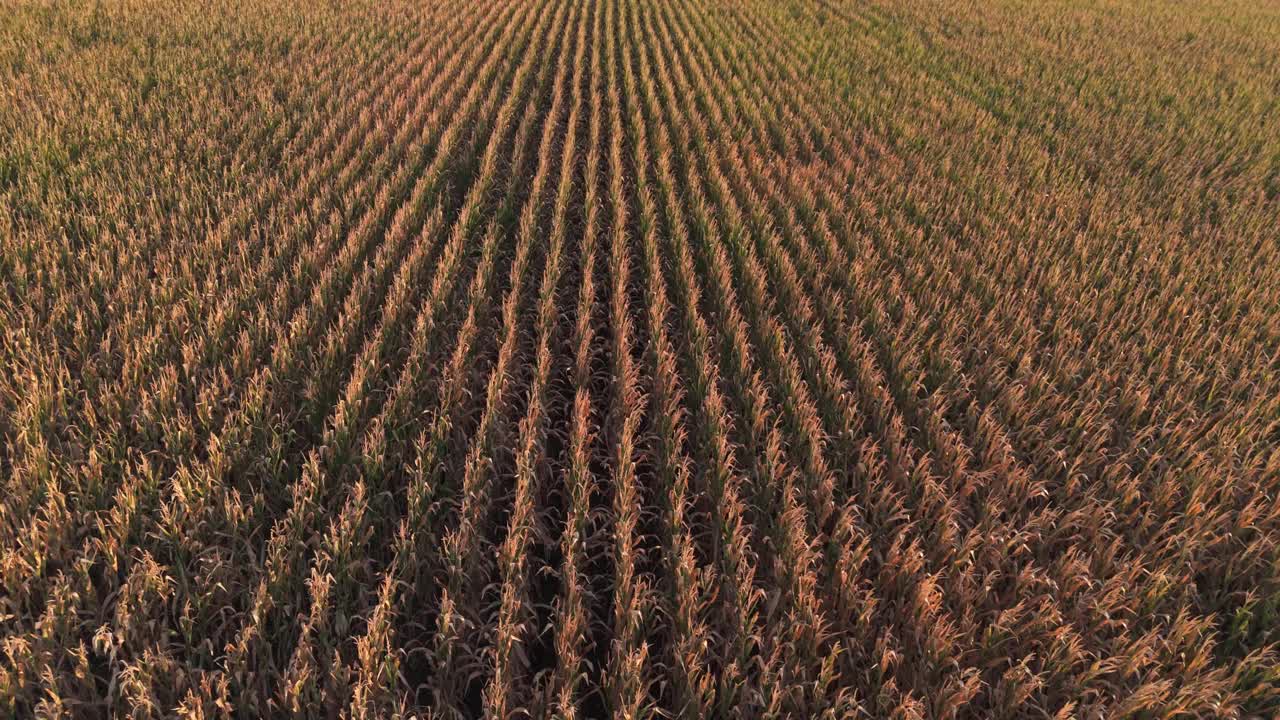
{"x": 640, "y": 358}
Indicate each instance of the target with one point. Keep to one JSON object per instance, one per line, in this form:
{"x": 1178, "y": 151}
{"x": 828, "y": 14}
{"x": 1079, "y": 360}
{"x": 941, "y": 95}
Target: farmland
{"x": 640, "y": 359}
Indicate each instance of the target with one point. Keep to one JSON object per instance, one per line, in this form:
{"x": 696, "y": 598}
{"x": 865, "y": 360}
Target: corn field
{"x": 640, "y": 359}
